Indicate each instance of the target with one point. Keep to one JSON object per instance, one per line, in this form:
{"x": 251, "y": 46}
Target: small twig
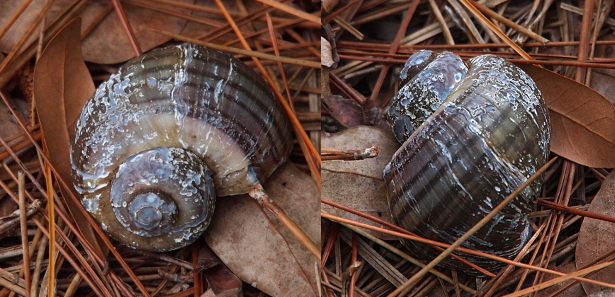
{"x": 608, "y": 256}
{"x": 176, "y": 277}
{"x": 494, "y": 283}
{"x": 347, "y": 276}
{"x": 12, "y": 223}
{"x": 12, "y": 282}
{"x": 401, "y": 31}
{"x": 263, "y": 199}
{"x": 337, "y": 154}
{"x": 166, "y": 258}
{"x": 579, "y": 11}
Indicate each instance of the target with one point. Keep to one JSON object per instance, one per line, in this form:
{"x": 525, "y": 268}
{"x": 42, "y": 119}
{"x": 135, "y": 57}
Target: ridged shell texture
{"x": 472, "y": 133}
{"x": 201, "y": 101}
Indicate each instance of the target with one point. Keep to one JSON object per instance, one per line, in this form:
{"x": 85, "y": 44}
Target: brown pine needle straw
{"x": 495, "y": 29}
{"x": 575, "y": 211}
{"x": 48, "y": 170}
{"x": 415, "y": 278}
{"x": 258, "y": 193}
{"x": 405, "y": 256}
{"x": 23, "y": 218}
{"x": 523, "y": 30}
{"x": 288, "y": 9}
{"x": 235, "y": 50}
{"x": 461, "y": 249}
{"x": 121, "y": 13}
{"x": 397, "y": 228}
{"x": 558, "y": 280}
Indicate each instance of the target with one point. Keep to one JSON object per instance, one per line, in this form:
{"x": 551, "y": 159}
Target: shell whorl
{"x": 482, "y": 137}
{"x": 188, "y": 97}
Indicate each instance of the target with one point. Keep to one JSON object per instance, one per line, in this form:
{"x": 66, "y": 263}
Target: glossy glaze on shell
{"x": 489, "y": 135}
{"x": 181, "y": 96}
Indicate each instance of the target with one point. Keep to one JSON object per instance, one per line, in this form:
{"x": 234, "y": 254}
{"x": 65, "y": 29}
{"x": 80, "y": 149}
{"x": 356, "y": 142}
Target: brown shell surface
{"x": 183, "y": 96}
{"x": 490, "y": 134}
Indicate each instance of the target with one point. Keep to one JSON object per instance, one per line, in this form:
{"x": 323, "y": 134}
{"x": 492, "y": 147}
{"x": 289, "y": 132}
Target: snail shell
{"x": 168, "y": 133}
{"x": 472, "y": 133}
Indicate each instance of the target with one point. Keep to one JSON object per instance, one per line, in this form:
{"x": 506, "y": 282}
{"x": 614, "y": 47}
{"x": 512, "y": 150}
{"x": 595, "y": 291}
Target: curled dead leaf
{"x": 62, "y": 84}
{"x": 596, "y": 237}
{"x": 582, "y": 120}
{"x": 358, "y": 184}
{"x": 257, "y": 248}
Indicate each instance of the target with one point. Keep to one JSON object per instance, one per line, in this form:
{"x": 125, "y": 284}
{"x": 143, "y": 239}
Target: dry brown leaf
{"x": 108, "y": 42}
{"x": 21, "y": 25}
{"x": 11, "y": 132}
{"x": 229, "y": 293}
{"x": 596, "y": 237}
{"x": 219, "y": 278}
{"x": 299, "y": 196}
{"x": 222, "y": 281}
{"x": 582, "y": 120}
{"x": 62, "y": 84}
{"x": 358, "y": 184}
{"x": 346, "y": 111}
{"x": 255, "y": 249}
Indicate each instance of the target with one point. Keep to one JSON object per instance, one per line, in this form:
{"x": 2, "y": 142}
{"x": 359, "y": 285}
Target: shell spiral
{"x": 173, "y": 129}
{"x": 472, "y": 133}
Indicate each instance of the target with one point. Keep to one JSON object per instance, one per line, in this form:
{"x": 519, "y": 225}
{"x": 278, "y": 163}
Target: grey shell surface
{"x": 489, "y": 131}
{"x": 200, "y": 101}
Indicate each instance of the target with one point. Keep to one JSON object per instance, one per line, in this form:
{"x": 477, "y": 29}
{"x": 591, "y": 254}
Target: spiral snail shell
{"x": 169, "y": 132}
{"x": 472, "y": 133}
